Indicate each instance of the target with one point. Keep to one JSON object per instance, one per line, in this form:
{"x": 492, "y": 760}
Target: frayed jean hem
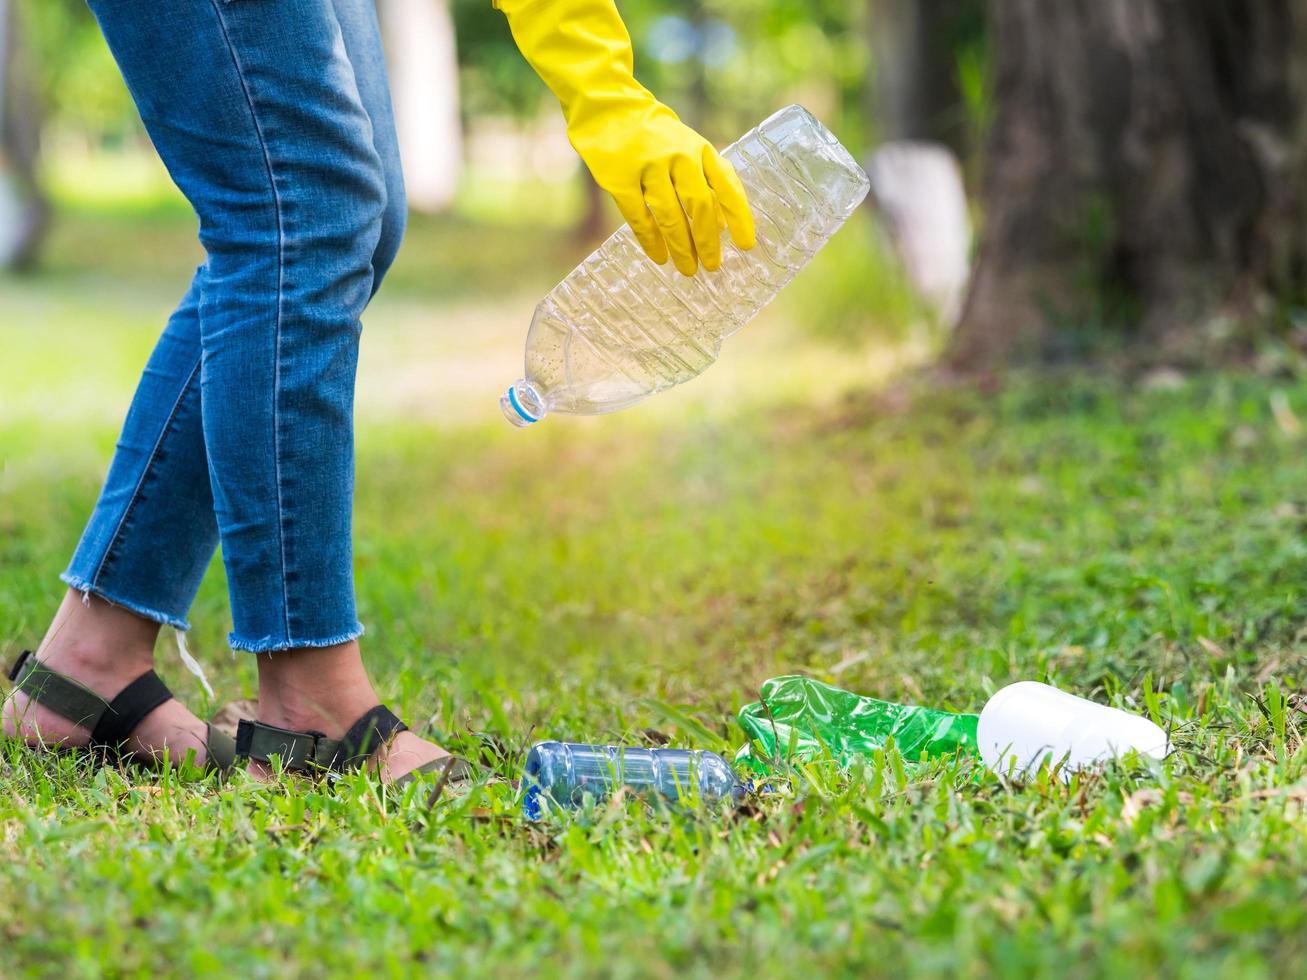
{"x": 269, "y": 644}
{"x": 79, "y": 584}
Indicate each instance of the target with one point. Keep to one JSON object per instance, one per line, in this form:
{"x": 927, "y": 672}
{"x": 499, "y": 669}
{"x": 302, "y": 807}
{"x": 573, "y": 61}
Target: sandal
{"x": 111, "y": 722}
{"x": 315, "y": 753}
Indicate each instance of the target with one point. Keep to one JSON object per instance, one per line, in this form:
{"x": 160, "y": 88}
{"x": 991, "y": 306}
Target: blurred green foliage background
{"x": 722, "y": 64}
{"x": 633, "y": 578}
{"x": 740, "y": 59}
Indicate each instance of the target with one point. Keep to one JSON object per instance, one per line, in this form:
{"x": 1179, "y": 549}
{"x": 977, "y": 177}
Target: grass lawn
{"x": 610, "y": 579}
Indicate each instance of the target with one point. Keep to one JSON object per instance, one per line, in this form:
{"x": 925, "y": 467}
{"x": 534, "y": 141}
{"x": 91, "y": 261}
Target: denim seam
{"x": 276, "y": 342}
{"x": 270, "y": 645}
{"x": 145, "y": 472}
{"x": 78, "y": 584}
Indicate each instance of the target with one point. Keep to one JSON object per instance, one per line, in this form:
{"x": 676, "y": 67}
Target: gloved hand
{"x": 671, "y": 186}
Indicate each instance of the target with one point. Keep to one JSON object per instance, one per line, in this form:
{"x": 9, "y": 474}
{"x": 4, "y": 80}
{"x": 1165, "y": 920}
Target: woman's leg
{"x": 258, "y": 112}
{"x": 362, "y": 37}
{"x": 255, "y": 108}
{"x": 327, "y": 689}
{"x": 145, "y": 548}
{"x": 158, "y": 487}
{"x": 152, "y": 533}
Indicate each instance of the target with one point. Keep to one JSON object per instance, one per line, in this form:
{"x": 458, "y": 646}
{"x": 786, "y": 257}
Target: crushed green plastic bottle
{"x": 799, "y": 718}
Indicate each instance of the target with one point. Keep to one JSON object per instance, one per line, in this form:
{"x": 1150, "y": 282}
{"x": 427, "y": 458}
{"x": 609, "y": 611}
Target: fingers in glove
{"x": 725, "y": 184}
{"x": 660, "y": 197}
{"x": 643, "y": 226}
{"x": 700, "y": 207}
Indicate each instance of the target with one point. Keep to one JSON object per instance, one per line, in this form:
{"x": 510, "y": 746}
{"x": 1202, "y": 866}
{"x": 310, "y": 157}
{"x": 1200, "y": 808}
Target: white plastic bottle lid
{"x": 1027, "y": 722}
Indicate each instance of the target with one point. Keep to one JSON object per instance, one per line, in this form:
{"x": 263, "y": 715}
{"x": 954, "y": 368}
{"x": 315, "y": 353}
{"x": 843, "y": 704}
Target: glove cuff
{"x": 581, "y": 50}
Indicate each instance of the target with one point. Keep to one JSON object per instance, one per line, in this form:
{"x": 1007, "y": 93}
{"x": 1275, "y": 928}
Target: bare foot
{"x": 104, "y": 647}
{"x": 326, "y": 690}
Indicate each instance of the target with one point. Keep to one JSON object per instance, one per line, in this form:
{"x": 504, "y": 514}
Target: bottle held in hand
{"x": 620, "y": 328}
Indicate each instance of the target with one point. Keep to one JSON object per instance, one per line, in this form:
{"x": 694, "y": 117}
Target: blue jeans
{"x": 274, "y": 119}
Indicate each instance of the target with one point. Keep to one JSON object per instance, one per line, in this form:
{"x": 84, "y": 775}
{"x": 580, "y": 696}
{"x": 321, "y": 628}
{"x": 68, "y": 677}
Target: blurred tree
{"x": 23, "y": 208}
{"x": 494, "y": 78}
{"x": 922, "y": 50}
{"x": 811, "y": 51}
{"x": 723, "y": 65}
{"x": 78, "y": 87}
{"x": 419, "y": 37}
{"x": 1144, "y": 169}
{"x": 922, "y": 114}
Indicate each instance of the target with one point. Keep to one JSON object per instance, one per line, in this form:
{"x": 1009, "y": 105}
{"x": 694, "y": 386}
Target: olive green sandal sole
{"x": 451, "y": 769}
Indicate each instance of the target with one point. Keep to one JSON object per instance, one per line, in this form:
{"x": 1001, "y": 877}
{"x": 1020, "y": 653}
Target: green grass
{"x": 599, "y": 579}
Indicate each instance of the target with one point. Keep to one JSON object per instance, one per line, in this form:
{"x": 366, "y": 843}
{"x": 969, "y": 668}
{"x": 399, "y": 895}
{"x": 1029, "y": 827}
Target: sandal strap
{"x": 365, "y": 736}
{"x": 307, "y": 751}
{"x": 459, "y": 771}
{"x": 221, "y": 748}
{"x": 111, "y": 722}
{"x": 17, "y": 668}
{"x": 298, "y": 751}
{"x": 62, "y": 695}
{"x": 129, "y": 708}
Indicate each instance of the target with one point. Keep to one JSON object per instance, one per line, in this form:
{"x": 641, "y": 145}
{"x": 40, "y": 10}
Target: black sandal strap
{"x": 129, "y": 709}
{"x": 308, "y": 751}
{"x": 17, "y": 668}
{"x": 62, "y": 695}
{"x": 298, "y": 751}
{"x": 365, "y": 736}
{"x": 111, "y": 722}
{"x": 221, "y": 749}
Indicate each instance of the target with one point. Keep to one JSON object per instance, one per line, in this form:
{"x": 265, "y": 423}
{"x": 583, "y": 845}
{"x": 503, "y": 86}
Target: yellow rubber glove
{"x": 671, "y": 186}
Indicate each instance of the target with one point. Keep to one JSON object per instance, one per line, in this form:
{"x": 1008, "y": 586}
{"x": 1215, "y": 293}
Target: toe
{"x": 405, "y": 753}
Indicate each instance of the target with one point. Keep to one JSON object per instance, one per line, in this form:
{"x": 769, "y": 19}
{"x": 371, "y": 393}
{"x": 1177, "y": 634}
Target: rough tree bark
{"x": 1142, "y": 170}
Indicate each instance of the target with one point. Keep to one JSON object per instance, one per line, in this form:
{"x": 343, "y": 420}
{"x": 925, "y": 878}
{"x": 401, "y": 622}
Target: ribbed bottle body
{"x": 562, "y": 774}
{"x": 620, "y": 328}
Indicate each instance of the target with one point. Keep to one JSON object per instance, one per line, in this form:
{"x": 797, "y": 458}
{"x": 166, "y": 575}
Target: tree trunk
{"x": 424, "y": 87}
{"x": 24, "y": 211}
{"x": 1139, "y": 173}
{"x": 920, "y": 200}
{"x": 913, "y": 89}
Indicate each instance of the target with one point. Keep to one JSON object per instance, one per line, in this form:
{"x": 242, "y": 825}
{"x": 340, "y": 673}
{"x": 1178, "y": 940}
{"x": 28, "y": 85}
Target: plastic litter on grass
{"x": 800, "y": 718}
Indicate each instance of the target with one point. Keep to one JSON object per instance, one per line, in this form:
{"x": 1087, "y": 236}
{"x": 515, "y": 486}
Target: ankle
{"x": 78, "y": 656}
{"x": 91, "y": 636}
{"x": 320, "y": 689}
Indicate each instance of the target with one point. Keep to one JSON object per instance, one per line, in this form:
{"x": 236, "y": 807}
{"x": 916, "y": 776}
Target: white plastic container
{"x": 1027, "y": 722}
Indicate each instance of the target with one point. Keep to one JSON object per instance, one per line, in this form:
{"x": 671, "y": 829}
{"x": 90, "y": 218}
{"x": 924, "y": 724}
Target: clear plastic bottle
{"x": 562, "y": 773}
{"x": 1027, "y": 722}
{"x": 620, "y": 328}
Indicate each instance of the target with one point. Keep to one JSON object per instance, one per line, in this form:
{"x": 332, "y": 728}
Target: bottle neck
{"x": 522, "y": 405}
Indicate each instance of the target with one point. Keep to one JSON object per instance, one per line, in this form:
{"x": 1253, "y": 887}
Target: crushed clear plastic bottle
{"x": 561, "y": 774}
{"x": 620, "y": 328}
